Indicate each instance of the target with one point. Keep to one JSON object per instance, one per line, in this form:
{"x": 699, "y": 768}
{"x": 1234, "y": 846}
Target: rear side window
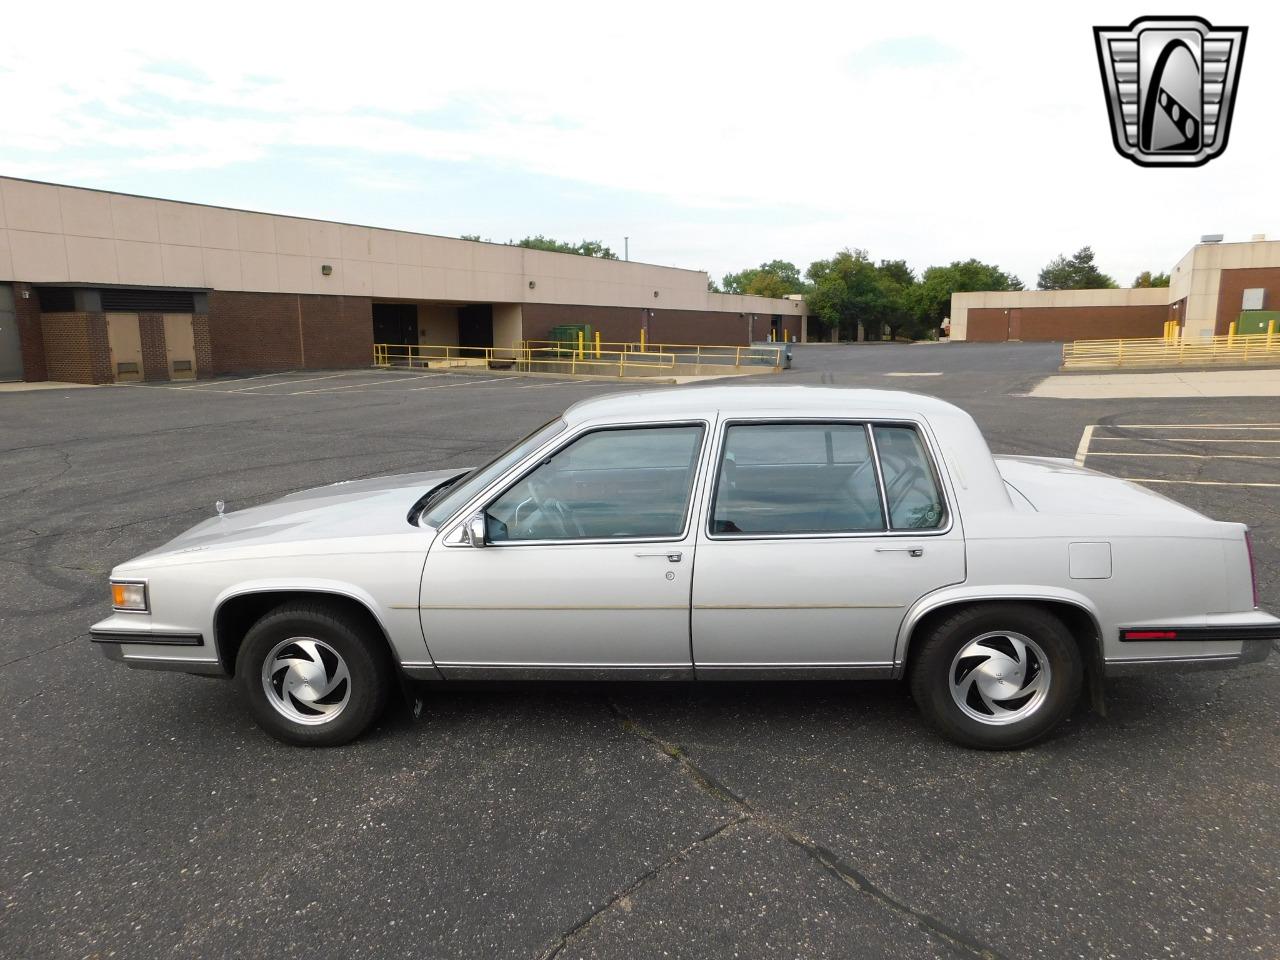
{"x": 780, "y": 478}
{"x": 910, "y": 487}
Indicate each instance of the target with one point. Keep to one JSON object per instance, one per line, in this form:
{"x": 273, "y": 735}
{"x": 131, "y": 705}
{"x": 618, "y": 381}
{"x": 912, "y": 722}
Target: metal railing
{"x": 685, "y": 353}
{"x": 521, "y": 359}
{"x": 1172, "y": 351}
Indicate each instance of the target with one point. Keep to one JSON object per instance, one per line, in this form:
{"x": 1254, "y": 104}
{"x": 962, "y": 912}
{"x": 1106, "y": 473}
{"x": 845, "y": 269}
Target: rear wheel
{"x": 997, "y": 676}
{"x": 312, "y": 675}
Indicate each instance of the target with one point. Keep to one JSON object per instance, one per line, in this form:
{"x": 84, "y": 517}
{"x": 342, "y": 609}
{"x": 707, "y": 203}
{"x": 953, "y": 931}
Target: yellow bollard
{"x": 642, "y": 339}
{"x": 597, "y": 344}
{"x": 1271, "y": 330}
{"x": 582, "y": 336}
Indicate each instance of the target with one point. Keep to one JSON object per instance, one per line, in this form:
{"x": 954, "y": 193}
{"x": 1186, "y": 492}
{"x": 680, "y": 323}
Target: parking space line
{"x": 366, "y": 384}
{"x": 1193, "y": 426}
{"x": 288, "y": 383}
{"x": 1192, "y": 456}
{"x": 223, "y": 383}
{"x": 1182, "y": 439}
{"x": 1082, "y": 449}
{"x": 1203, "y": 483}
{"x": 444, "y": 386}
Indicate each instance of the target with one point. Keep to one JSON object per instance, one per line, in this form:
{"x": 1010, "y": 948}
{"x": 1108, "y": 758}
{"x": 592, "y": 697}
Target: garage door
{"x": 10, "y": 343}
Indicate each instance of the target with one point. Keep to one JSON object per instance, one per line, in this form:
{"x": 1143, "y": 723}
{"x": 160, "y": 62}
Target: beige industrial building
{"x": 1214, "y": 285}
{"x": 98, "y": 286}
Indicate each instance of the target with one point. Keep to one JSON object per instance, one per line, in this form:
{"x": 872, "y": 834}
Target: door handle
{"x": 909, "y": 551}
{"x": 673, "y": 556}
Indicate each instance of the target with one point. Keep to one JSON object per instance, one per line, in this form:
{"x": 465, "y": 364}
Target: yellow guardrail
{"x": 522, "y": 359}
{"x": 694, "y": 353}
{"x": 1172, "y": 351}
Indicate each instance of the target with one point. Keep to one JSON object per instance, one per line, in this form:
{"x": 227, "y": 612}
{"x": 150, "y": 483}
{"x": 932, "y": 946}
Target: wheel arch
{"x": 1075, "y": 611}
{"x": 238, "y": 610}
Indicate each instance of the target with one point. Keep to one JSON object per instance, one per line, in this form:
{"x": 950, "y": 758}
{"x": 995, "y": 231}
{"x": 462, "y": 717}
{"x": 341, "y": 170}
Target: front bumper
{"x": 131, "y": 640}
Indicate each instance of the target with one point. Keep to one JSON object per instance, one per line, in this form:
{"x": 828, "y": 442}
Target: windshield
{"x": 463, "y": 490}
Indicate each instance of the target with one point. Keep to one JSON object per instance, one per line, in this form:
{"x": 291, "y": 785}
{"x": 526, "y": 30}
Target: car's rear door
{"x": 817, "y": 537}
{"x": 587, "y": 565}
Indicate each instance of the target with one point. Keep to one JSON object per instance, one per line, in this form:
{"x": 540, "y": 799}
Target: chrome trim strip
{"x": 1143, "y": 665}
{"x": 550, "y": 606}
{"x": 798, "y": 606}
{"x": 535, "y": 671}
{"x": 796, "y": 671}
{"x": 184, "y": 639}
{"x": 205, "y": 667}
{"x": 874, "y": 448}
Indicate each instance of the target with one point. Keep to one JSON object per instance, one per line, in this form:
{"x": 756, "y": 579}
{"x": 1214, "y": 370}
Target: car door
{"x": 818, "y": 536}
{"x": 585, "y": 566}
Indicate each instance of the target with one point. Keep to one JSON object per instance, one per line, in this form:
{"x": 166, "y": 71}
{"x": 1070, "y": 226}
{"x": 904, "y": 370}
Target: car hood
{"x": 347, "y": 509}
{"x": 1060, "y": 487}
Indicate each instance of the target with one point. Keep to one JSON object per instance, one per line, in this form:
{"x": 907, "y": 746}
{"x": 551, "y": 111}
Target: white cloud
{"x": 932, "y": 132}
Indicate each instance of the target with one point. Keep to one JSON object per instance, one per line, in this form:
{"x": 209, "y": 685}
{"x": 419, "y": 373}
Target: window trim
{"x": 867, "y": 423}
{"x": 504, "y": 484}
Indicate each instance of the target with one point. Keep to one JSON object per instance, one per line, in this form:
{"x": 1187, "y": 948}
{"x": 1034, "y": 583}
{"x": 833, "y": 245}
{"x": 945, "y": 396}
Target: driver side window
{"x": 608, "y": 484}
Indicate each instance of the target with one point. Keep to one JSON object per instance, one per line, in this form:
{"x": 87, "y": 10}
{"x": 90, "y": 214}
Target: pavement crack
{"x": 636, "y": 884}
{"x": 828, "y": 861}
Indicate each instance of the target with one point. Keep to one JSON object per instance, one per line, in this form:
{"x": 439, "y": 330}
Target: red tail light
{"x": 1253, "y": 566}
{"x": 1149, "y": 635}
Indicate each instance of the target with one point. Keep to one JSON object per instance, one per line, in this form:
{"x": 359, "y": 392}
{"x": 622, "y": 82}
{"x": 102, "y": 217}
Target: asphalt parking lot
{"x": 143, "y": 815}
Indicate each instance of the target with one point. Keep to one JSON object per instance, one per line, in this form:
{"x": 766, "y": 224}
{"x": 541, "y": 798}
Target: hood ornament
{"x": 220, "y": 506}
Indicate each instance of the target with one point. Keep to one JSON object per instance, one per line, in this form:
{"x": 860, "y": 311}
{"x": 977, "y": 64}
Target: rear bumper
{"x": 1252, "y": 643}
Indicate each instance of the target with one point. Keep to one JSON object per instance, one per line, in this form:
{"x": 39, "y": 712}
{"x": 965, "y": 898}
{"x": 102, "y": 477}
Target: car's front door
{"x": 585, "y": 568}
{"x": 818, "y": 537}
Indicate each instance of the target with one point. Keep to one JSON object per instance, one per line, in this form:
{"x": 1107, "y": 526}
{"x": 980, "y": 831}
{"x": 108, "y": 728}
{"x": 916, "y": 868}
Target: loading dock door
{"x": 10, "y": 343}
{"x": 125, "y": 342}
{"x": 180, "y": 346}
{"x": 475, "y": 327}
{"x": 395, "y": 323}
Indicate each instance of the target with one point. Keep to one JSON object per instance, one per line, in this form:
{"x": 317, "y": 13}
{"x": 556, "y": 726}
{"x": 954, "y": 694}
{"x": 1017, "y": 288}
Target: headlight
{"x": 129, "y": 595}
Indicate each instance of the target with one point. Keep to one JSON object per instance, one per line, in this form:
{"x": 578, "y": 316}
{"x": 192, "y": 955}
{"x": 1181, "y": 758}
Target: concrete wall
{"x": 58, "y": 234}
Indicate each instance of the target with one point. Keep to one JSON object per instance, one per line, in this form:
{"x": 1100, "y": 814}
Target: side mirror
{"x": 475, "y": 530}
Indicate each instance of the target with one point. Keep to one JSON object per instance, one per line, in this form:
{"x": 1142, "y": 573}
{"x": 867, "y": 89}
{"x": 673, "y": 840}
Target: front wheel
{"x": 312, "y": 676}
{"x": 997, "y": 676}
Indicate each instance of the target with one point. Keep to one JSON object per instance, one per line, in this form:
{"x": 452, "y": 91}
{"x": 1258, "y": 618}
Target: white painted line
{"x": 1193, "y": 426}
{"x": 1203, "y": 483}
{"x": 1186, "y": 439}
{"x": 907, "y": 373}
{"x": 1193, "y": 456}
{"x": 364, "y": 384}
{"x": 1082, "y": 450}
{"x": 557, "y": 383}
{"x": 286, "y": 383}
{"x": 223, "y": 383}
{"x": 446, "y": 386}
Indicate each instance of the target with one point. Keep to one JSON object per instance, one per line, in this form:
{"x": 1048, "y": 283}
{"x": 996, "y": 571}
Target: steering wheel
{"x": 908, "y": 479}
{"x": 554, "y": 509}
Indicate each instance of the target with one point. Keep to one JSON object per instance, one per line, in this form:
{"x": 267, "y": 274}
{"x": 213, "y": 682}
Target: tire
{"x": 997, "y": 676}
{"x": 313, "y": 675}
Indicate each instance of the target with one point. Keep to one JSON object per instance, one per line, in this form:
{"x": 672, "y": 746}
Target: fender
{"x": 408, "y": 650}
{"x": 968, "y": 593}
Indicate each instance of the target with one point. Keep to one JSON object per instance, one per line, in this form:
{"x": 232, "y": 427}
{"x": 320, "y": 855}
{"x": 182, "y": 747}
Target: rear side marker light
{"x": 1150, "y": 635}
{"x": 1253, "y": 566}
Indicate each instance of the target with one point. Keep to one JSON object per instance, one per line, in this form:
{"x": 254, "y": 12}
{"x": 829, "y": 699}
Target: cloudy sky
{"x": 715, "y": 135}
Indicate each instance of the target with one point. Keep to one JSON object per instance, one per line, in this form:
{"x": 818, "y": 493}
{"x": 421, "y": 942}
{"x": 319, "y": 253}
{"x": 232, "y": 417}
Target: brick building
{"x": 98, "y": 286}
{"x": 1214, "y": 285}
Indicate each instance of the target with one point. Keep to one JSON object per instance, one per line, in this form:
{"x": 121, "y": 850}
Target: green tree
{"x": 937, "y": 284}
{"x": 846, "y": 291}
{"x": 587, "y": 248}
{"x": 1074, "y": 273}
{"x": 777, "y": 278}
{"x": 898, "y": 287}
{"x": 1148, "y": 279}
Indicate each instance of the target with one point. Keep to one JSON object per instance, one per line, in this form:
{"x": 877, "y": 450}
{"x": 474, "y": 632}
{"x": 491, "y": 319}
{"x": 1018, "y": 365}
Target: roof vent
{"x": 1211, "y": 238}
{"x": 1259, "y": 236}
